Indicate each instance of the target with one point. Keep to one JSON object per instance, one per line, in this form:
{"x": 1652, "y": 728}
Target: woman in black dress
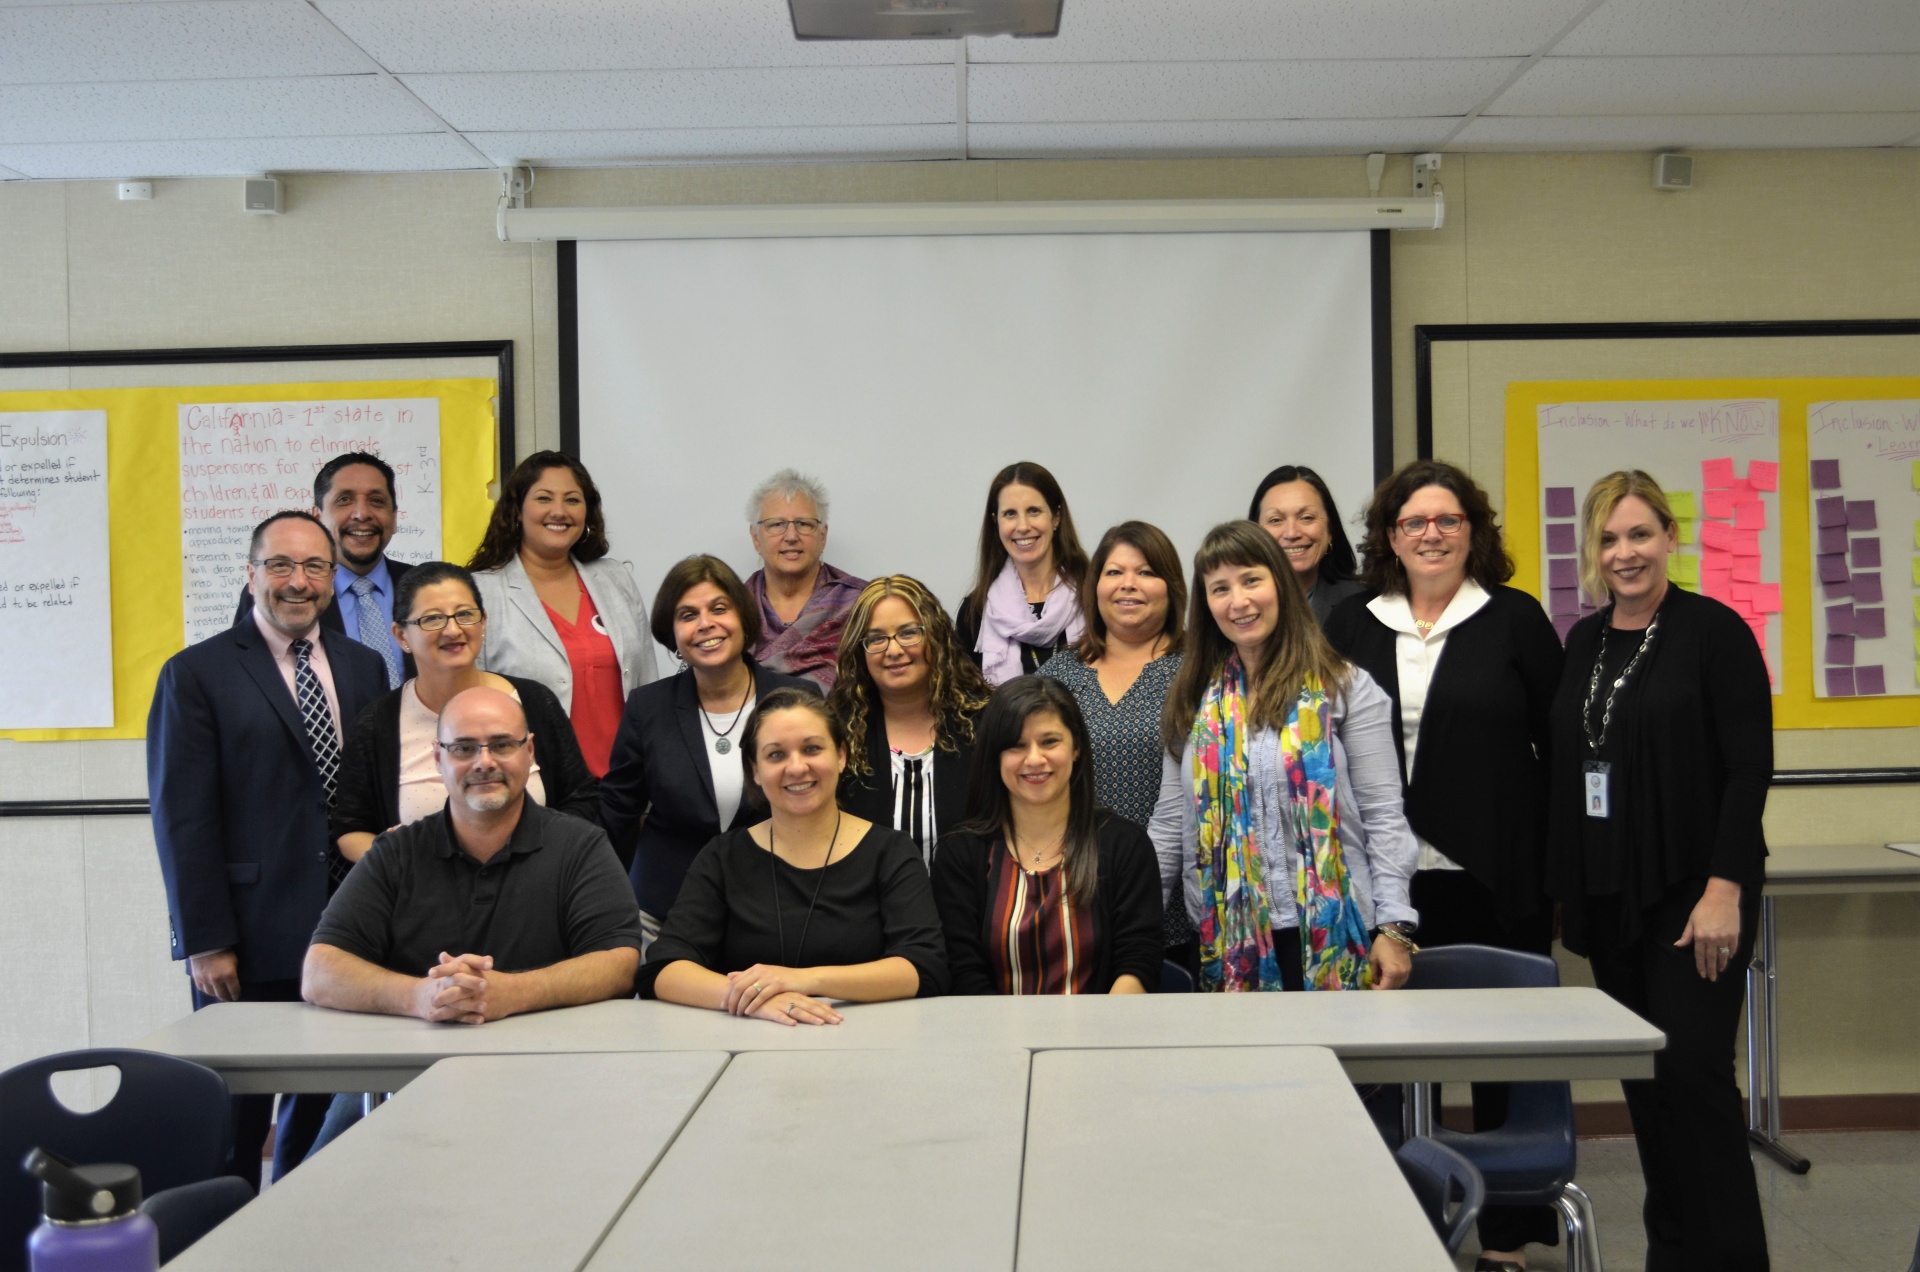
{"x": 812, "y": 904}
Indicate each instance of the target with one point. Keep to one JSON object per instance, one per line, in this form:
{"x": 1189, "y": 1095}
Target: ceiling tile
{"x": 764, "y": 98}
{"x": 1667, "y": 27}
{"x": 593, "y": 35}
{"x": 1714, "y": 85}
{"x": 228, "y": 39}
{"x": 1702, "y": 132}
{"x": 624, "y": 148}
{"x": 1263, "y": 30}
{"x": 309, "y": 106}
{"x": 417, "y": 152}
{"x": 1215, "y": 139}
{"x": 1233, "y": 90}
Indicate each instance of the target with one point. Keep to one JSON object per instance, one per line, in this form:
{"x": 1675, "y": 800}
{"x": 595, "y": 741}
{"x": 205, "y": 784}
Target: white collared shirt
{"x": 1415, "y": 656}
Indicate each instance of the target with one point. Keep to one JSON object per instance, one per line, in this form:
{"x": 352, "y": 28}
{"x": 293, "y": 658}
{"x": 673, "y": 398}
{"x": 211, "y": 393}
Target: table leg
{"x": 1420, "y": 1107}
{"x": 1766, "y": 1135}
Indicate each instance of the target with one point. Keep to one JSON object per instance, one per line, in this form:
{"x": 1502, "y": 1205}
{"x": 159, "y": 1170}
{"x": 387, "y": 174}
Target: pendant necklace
{"x": 721, "y": 742}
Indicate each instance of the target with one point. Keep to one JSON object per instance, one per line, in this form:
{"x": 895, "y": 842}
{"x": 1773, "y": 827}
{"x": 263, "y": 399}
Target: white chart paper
{"x": 241, "y": 462}
{"x": 56, "y": 598}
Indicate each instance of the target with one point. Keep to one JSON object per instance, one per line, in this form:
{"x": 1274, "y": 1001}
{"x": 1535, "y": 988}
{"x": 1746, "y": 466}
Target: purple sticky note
{"x": 1866, "y": 589}
{"x": 1826, "y": 474}
{"x": 1560, "y": 539}
{"x": 1563, "y": 600}
{"x": 1564, "y": 624}
{"x": 1840, "y": 620}
{"x": 1866, "y": 553}
{"x": 1830, "y": 512}
{"x": 1870, "y": 623}
{"x": 1832, "y": 589}
{"x": 1833, "y": 567}
{"x": 1870, "y": 679}
{"x": 1839, "y": 651}
{"x": 1563, "y": 572}
{"x": 1559, "y": 501}
{"x": 1839, "y": 682}
{"x": 1833, "y": 538}
{"x": 1860, "y": 515}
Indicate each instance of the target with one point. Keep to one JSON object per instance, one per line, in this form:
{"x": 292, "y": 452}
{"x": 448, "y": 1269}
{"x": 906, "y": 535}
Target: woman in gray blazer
{"x": 559, "y": 609}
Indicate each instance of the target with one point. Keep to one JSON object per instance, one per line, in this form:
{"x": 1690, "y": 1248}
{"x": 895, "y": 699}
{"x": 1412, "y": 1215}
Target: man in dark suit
{"x": 353, "y": 495}
{"x": 243, "y": 744}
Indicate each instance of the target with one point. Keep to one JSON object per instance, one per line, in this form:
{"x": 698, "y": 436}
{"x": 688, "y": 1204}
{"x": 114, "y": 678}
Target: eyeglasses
{"x": 907, "y": 637}
{"x": 435, "y": 621}
{"x": 283, "y": 567}
{"x": 500, "y": 748}
{"x": 805, "y": 527}
{"x": 1414, "y": 527}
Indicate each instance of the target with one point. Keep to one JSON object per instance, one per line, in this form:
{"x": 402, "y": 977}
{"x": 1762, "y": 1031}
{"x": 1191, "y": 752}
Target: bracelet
{"x": 1392, "y": 932}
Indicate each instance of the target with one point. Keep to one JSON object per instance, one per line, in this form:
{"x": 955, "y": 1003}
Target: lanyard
{"x": 1593, "y": 686}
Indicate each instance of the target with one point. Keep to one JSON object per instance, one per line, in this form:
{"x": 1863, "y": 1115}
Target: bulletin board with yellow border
{"x": 1796, "y": 706}
{"x": 144, "y": 505}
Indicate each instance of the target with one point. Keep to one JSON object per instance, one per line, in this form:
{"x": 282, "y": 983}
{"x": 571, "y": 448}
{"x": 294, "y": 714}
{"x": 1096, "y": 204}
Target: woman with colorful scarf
{"x": 1025, "y": 602}
{"x": 1280, "y": 807}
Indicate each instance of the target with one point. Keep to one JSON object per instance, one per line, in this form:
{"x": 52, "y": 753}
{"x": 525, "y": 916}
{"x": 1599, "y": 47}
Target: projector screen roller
{"x": 1157, "y": 376}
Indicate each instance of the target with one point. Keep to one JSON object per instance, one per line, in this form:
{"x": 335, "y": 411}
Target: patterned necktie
{"x": 373, "y": 629}
{"x": 318, "y": 720}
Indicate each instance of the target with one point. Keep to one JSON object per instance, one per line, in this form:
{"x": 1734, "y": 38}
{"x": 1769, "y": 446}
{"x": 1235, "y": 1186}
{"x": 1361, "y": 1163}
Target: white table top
{"x": 838, "y": 1160}
{"x": 516, "y": 1163}
{"x": 1434, "y": 1036}
{"x": 1814, "y": 869}
{"x": 1296, "y": 1174}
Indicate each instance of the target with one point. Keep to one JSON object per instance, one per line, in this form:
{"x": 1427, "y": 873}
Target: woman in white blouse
{"x": 1279, "y": 807}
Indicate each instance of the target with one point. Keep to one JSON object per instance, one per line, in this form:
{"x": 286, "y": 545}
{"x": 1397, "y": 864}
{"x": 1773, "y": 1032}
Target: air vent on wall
{"x": 922, "y": 19}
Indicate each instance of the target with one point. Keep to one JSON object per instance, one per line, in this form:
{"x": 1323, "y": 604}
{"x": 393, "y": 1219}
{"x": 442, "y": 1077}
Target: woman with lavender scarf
{"x": 1025, "y": 602}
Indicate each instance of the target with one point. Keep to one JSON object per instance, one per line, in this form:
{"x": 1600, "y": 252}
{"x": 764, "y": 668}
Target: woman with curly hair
{"x": 563, "y": 612}
{"x": 908, "y": 695}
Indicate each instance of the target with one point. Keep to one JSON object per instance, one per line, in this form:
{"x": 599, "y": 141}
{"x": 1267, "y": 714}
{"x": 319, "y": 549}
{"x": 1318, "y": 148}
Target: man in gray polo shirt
{"x": 491, "y": 907}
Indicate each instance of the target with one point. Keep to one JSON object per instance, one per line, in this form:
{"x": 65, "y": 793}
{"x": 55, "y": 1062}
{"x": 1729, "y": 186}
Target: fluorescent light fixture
{"x": 875, "y": 220}
{"x": 922, "y": 19}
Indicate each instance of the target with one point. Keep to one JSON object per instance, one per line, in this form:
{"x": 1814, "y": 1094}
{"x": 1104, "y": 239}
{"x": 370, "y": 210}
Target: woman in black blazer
{"x": 1471, "y": 666}
{"x": 907, "y": 697}
{"x": 675, "y": 779}
{"x": 1662, "y": 757}
{"x": 1044, "y": 892}
{"x": 387, "y": 772}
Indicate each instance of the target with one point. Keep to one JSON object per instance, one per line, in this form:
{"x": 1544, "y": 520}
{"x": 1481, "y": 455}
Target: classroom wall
{"x": 1555, "y": 237}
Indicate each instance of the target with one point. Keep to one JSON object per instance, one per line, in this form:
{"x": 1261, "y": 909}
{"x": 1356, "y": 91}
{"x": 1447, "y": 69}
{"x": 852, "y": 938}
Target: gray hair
{"x": 790, "y": 483}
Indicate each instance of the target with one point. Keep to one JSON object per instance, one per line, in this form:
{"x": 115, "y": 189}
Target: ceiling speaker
{"x": 922, "y": 19}
{"x": 1673, "y": 172}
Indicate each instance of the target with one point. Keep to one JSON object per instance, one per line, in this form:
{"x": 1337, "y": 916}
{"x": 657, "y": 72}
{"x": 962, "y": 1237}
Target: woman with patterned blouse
{"x": 1043, "y": 891}
{"x": 1131, "y": 603}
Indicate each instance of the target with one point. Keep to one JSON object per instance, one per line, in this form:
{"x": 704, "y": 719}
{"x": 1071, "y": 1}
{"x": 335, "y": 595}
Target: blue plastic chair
{"x": 1175, "y": 979}
{"x": 170, "y": 1118}
{"x": 1436, "y": 1174}
{"x": 1529, "y": 1160}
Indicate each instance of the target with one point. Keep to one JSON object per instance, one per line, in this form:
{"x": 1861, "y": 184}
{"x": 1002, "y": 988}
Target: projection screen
{"x": 1158, "y": 376}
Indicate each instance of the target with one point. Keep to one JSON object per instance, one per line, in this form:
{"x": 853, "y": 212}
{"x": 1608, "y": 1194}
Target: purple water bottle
{"x": 93, "y": 1221}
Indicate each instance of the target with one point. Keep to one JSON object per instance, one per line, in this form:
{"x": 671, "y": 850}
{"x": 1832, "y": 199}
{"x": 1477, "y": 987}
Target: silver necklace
{"x": 1593, "y": 684}
{"x": 720, "y": 741}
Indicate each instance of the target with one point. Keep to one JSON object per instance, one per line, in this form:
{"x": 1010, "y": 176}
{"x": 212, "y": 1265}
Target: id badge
{"x": 1596, "y": 793}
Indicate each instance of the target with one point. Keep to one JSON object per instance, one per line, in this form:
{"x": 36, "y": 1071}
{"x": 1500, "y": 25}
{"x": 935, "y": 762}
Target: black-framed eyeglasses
{"x": 500, "y": 748}
{"x": 283, "y": 567}
{"x": 805, "y": 527}
{"x": 435, "y": 621}
{"x": 1445, "y": 523}
{"x": 907, "y": 637}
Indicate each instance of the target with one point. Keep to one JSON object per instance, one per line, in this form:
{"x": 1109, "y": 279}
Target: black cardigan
{"x": 1479, "y": 784}
{"x": 966, "y": 630}
{"x": 1697, "y": 721}
{"x": 871, "y": 796}
{"x": 657, "y": 799}
{"x": 1126, "y": 905}
{"x": 367, "y": 793}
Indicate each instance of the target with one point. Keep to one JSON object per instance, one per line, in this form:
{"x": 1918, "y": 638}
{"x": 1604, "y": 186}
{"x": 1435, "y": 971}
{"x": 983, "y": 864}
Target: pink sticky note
{"x": 1718, "y": 504}
{"x": 1870, "y": 623}
{"x": 1717, "y": 575}
{"x": 1742, "y": 593}
{"x": 1764, "y": 474}
{"x": 1866, "y": 589}
{"x": 1746, "y": 569}
{"x": 1750, "y": 514}
{"x": 1758, "y": 626}
{"x": 1716, "y": 536}
{"x": 1869, "y": 680}
{"x": 1766, "y": 598}
{"x": 1716, "y": 474}
{"x": 1716, "y": 585}
{"x": 1746, "y": 543}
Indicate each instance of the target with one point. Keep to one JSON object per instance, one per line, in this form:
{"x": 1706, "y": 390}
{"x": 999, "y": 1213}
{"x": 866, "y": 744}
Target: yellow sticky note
{"x": 1681, "y": 501}
{"x": 1916, "y": 646}
{"x": 1684, "y": 569}
{"x": 1916, "y": 486}
{"x": 1916, "y": 534}
{"x": 1916, "y": 571}
{"x": 1688, "y": 536}
{"x": 1916, "y": 609}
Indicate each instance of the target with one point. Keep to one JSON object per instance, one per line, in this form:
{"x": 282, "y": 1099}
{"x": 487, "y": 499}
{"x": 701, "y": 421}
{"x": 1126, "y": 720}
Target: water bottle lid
{"x": 83, "y": 1194}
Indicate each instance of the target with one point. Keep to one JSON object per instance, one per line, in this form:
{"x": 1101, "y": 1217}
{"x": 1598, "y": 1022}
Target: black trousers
{"x": 1457, "y": 909}
{"x": 300, "y": 1115}
{"x": 1703, "y": 1207}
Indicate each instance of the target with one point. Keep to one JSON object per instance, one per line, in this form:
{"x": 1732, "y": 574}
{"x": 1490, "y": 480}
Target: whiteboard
{"x": 1157, "y": 376}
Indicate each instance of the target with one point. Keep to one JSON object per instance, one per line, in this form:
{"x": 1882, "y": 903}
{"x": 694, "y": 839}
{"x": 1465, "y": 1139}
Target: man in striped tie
{"x": 243, "y": 745}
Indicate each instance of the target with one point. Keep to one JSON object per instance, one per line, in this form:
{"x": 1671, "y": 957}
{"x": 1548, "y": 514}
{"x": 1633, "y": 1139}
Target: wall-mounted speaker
{"x": 1673, "y": 172}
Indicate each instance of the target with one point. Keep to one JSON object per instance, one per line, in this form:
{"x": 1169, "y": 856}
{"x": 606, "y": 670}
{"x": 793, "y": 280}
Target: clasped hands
{"x": 783, "y": 994}
{"x": 464, "y": 989}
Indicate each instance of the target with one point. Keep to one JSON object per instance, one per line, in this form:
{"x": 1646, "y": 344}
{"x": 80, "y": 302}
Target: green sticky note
{"x": 1688, "y": 536}
{"x": 1916, "y": 646}
{"x": 1684, "y": 569}
{"x": 1916, "y": 609}
{"x": 1916, "y": 534}
{"x": 1916, "y": 486}
{"x": 1681, "y": 501}
{"x": 1916, "y": 571}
